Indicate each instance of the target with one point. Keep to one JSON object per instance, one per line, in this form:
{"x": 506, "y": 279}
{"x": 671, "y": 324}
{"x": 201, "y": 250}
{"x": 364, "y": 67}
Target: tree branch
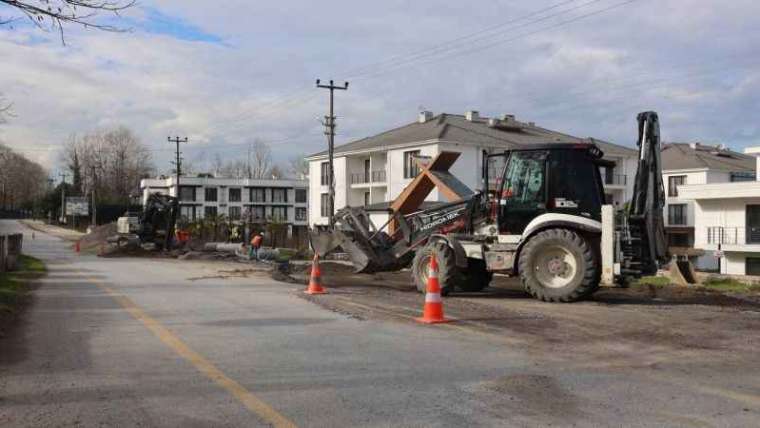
{"x": 54, "y": 14}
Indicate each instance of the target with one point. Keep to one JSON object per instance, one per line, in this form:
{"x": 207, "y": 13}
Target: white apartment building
{"x": 375, "y": 170}
{"x": 727, "y": 221}
{"x": 243, "y": 200}
{"x": 692, "y": 164}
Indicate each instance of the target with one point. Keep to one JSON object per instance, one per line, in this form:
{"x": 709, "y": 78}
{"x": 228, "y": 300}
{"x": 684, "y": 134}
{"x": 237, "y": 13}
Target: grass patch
{"x": 13, "y": 284}
{"x": 657, "y": 281}
{"x": 730, "y": 285}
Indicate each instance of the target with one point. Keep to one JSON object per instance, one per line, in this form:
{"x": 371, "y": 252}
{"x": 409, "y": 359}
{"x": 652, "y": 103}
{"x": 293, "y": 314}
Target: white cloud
{"x": 690, "y": 60}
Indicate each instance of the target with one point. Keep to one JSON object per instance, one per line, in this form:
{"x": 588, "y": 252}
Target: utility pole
{"x": 330, "y": 125}
{"x": 94, "y": 184}
{"x": 178, "y": 164}
{"x": 63, "y": 176}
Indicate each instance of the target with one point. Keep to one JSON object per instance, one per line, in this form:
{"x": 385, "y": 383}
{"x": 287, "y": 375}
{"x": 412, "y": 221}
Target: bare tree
{"x": 5, "y": 110}
{"x": 54, "y": 14}
{"x": 113, "y": 161}
{"x": 22, "y": 181}
{"x": 261, "y": 160}
{"x": 298, "y": 167}
{"x": 235, "y": 169}
{"x": 276, "y": 173}
{"x": 217, "y": 165}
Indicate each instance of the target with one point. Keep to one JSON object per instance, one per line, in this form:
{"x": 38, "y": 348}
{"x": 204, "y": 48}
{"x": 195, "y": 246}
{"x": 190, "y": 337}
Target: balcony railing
{"x": 367, "y": 177}
{"x": 733, "y": 235}
{"x": 616, "y": 179}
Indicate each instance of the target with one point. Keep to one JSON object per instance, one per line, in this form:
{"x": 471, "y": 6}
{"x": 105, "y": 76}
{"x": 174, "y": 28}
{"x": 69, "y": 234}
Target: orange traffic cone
{"x": 77, "y": 247}
{"x": 432, "y": 313}
{"x": 315, "y": 281}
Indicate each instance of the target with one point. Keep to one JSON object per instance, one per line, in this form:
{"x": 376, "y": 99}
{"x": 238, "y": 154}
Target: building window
{"x": 673, "y": 183}
{"x": 324, "y": 176}
{"x": 324, "y": 204}
{"x": 258, "y": 194}
{"x": 187, "y": 211}
{"x": 366, "y": 199}
{"x": 411, "y": 169}
{"x": 187, "y": 193}
{"x": 211, "y": 194}
{"x": 679, "y": 240}
{"x": 279, "y": 195}
{"x": 257, "y": 213}
{"x": 280, "y": 213}
{"x": 301, "y": 196}
{"x": 742, "y": 176}
{"x": 236, "y": 195}
{"x": 209, "y": 211}
{"x": 752, "y": 266}
{"x": 300, "y": 214}
{"x": 677, "y": 214}
{"x": 234, "y": 213}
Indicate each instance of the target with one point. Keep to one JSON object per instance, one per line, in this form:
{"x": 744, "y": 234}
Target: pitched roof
{"x": 453, "y": 127}
{"x": 677, "y": 156}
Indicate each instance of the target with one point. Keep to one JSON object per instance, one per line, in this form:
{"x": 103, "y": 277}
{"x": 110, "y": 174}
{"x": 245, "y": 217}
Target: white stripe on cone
{"x": 433, "y": 298}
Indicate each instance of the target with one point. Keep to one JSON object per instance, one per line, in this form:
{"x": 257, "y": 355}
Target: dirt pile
{"x": 97, "y": 237}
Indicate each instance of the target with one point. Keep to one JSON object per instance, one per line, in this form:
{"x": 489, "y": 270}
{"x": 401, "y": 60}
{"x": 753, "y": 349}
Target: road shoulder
{"x": 14, "y": 289}
{"x": 59, "y": 232}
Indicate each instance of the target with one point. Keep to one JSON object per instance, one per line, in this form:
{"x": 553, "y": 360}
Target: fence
{"x": 10, "y": 250}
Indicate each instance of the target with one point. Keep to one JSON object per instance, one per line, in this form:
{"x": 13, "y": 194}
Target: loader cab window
{"x": 575, "y": 184}
{"x": 523, "y": 195}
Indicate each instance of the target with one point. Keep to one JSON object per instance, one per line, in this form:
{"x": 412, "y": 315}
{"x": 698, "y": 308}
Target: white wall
{"x": 316, "y": 189}
{"x": 729, "y": 213}
{"x": 395, "y": 170}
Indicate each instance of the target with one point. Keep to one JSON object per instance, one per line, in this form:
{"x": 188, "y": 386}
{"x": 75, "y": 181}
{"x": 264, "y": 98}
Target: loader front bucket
{"x": 324, "y": 242}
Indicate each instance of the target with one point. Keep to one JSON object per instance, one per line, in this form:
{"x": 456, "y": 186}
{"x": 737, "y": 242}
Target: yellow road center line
{"x": 250, "y": 401}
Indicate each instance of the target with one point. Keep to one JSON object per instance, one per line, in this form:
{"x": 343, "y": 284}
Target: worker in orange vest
{"x": 255, "y": 245}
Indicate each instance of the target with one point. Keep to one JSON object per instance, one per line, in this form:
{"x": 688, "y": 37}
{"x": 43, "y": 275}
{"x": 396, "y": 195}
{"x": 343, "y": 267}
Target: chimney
{"x": 424, "y": 116}
{"x": 754, "y": 151}
{"x": 472, "y": 115}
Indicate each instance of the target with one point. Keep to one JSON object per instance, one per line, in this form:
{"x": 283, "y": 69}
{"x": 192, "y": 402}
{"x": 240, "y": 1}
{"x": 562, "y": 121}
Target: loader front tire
{"x": 449, "y": 275}
{"x": 558, "y": 265}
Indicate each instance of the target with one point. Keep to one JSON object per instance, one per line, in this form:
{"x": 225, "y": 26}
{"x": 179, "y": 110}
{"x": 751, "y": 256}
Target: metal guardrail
{"x": 733, "y": 235}
{"x": 616, "y": 179}
{"x": 10, "y": 250}
{"x": 366, "y": 177}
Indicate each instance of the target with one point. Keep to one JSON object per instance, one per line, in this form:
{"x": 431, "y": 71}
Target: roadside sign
{"x": 77, "y": 205}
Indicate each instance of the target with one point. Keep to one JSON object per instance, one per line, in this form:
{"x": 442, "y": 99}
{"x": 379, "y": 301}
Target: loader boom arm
{"x": 643, "y": 232}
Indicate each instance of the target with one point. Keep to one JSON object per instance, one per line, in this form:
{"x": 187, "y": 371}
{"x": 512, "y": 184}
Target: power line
{"x": 428, "y": 49}
{"x": 377, "y": 68}
{"x": 480, "y": 48}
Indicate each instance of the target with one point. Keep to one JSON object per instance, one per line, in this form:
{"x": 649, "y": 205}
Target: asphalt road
{"x": 137, "y": 342}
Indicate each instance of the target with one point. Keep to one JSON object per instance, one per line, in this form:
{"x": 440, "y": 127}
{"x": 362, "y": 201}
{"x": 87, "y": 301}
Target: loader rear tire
{"x": 477, "y": 277}
{"x": 558, "y": 265}
{"x": 449, "y": 275}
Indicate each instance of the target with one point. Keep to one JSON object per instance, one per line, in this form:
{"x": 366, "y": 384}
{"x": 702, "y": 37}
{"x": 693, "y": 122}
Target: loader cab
{"x": 551, "y": 179}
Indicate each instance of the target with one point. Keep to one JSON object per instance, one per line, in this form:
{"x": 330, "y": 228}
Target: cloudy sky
{"x": 226, "y": 72}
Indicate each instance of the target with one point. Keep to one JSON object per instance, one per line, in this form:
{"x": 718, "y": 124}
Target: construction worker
{"x": 256, "y": 241}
